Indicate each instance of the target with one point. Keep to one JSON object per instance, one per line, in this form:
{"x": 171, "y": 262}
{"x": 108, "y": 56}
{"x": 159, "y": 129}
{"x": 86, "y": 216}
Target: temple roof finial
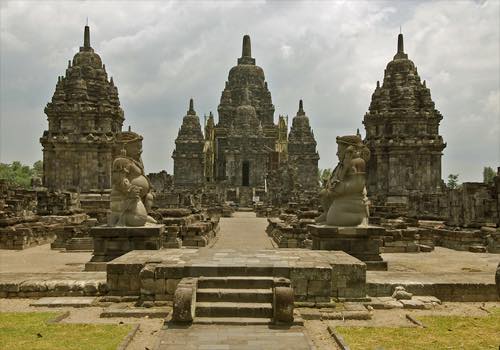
{"x": 400, "y": 43}
{"x": 247, "y": 47}
{"x": 86, "y": 37}
{"x": 301, "y": 108}
{"x": 246, "y": 52}
{"x": 191, "y": 107}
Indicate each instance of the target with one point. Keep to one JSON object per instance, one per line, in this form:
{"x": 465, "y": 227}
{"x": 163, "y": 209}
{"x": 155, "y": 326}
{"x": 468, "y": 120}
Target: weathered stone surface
{"x": 315, "y": 276}
{"x": 402, "y": 134}
{"x": 236, "y": 155}
{"x": 84, "y": 116}
{"x": 112, "y": 242}
{"x": 283, "y": 304}
{"x": 184, "y": 301}
{"x": 361, "y": 242}
{"x": 64, "y": 302}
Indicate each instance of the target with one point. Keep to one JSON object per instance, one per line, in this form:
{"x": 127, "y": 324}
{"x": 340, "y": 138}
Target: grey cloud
{"x": 329, "y": 53}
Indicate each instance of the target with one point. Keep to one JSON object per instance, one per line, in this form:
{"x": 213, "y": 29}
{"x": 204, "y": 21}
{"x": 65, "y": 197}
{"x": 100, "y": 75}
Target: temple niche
{"x": 84, "y": 116}
{"x": 245, "y": 145}
{"x": 402, "y": 133}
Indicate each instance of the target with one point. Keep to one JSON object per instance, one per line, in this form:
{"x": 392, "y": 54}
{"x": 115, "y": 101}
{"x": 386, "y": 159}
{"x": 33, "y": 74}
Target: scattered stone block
{"x": 415, "y": 304}
{"x": 135, "y": 312}
{"x": 64, "y": 302}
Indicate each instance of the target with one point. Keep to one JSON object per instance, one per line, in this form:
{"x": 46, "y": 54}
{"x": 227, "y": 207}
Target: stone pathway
{"x": 201, "y": 337}
{"x": 243, "y": 231}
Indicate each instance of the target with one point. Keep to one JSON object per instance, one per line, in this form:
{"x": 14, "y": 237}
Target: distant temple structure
{"x": 402, "y": 133}
{"x": 84, "y": 117}
{"x": 238, "y": 152}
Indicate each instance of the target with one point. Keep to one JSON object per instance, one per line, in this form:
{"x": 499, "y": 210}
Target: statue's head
{"x": 130, "y": 144}
{"x": 353, "y": 144}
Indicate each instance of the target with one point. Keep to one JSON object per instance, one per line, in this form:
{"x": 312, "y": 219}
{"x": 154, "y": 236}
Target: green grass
{"x": 20, "y": 331}
{"x": 442, "y": 332}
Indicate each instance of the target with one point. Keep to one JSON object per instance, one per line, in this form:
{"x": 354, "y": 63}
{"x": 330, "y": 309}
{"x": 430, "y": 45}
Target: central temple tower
{"x": 246, "y": 86}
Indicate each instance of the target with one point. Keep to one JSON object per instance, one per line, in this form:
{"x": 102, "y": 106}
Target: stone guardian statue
{"x": 131, "y": 196}
{"x": 343, "y": 197}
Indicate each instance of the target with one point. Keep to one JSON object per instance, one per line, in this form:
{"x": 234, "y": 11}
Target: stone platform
{"x": 361, "y": 242}
{"x": 316, "y": 276}
{"x": 112, "y": 242}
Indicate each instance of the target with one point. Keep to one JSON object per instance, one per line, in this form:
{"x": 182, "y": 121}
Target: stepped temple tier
{"x": 84, "y": 116}
{"x": 245, "y": 149}
{"x": 402, "y": 132}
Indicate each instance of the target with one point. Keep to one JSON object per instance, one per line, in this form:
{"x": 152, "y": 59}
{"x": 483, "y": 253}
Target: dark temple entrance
{"x": 245, "y": 176}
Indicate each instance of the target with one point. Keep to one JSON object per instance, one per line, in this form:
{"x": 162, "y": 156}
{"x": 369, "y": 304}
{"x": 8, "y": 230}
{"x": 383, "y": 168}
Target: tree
{"x": 452, "y": 181}
{"x": 19, "y": 174}
{"x": 488, "y": 175}
{"x": 38, "y": 168}
{"x": 324, "y": 174}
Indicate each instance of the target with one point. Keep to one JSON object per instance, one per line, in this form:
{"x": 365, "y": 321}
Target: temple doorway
{"x": 245, "y": 176}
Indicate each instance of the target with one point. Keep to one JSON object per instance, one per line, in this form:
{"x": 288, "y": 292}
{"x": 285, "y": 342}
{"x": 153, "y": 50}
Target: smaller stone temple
{"x": 402, "y": 133}
{"x": 189, "y": 162}
{"x": 84, "y": 116}
{"x": 302, "y": 152}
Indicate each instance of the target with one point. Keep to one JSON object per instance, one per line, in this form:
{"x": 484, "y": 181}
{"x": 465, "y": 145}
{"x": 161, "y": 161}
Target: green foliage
{"x": 30, "y": 330}
{"x": 452, "y": 181}
{"x": 19, "y": 174}
{"x": 324, "y": 174}
{"x": 488, "y": 175}
{"x": 442, "y": 332}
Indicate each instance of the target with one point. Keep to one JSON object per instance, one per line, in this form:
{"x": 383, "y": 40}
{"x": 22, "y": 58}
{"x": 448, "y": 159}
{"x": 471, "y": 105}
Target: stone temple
{"x": 84, "y": 117}
{"x": 402, "y": 133}
{"x": 200, "y": 254}
{"x": 237, "y": 153}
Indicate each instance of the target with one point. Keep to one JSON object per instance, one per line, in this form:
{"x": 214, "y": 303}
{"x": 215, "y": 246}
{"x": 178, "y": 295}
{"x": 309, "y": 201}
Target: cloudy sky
{"x": 329, "y": 53}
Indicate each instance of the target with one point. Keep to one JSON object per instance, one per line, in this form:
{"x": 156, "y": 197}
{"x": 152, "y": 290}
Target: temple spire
{"x": 86, "y": 37}
{"x": 191, "y": 107}
{"x": 301, "y": 108}
{"x": 400, "y": 43}
{"x": 247, "y": 47}
{"x": 246, "y": 52}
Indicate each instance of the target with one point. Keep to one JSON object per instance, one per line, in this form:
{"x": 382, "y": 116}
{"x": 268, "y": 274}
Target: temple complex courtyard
{"x": 247, "y": 175}
{"x": 242, "y": 240}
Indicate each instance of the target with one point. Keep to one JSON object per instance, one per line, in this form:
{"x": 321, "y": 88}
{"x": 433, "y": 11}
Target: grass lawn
{"x": 442, "y": 332}
{"x": 29, "y": 331}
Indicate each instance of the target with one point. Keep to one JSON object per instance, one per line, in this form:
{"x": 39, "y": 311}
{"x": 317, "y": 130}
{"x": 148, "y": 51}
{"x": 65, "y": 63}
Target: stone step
{"x": 236, "y": 282}
{"x": 226, "y": 309}
{"x": 243, "y": 321}
{"x": 235, "y": 295}
{"x": 80, "y": 243}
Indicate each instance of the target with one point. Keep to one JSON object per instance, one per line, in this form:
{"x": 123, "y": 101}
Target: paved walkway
{"x": 204, "y": 337}
{"x": 243, "y": 231}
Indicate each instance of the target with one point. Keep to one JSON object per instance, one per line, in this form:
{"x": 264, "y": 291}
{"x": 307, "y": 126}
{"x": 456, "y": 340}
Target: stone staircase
{"x": 248, "y": 300}
{"x": 245, "y": 299}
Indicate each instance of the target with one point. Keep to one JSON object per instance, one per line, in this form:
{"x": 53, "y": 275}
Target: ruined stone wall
{"x": 473, "y": 204}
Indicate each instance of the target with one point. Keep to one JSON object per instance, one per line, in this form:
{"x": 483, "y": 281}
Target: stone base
{"x": 361, "y": 242}
{"x": 112, "y": 242}
{"x": 316, "y": 276}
